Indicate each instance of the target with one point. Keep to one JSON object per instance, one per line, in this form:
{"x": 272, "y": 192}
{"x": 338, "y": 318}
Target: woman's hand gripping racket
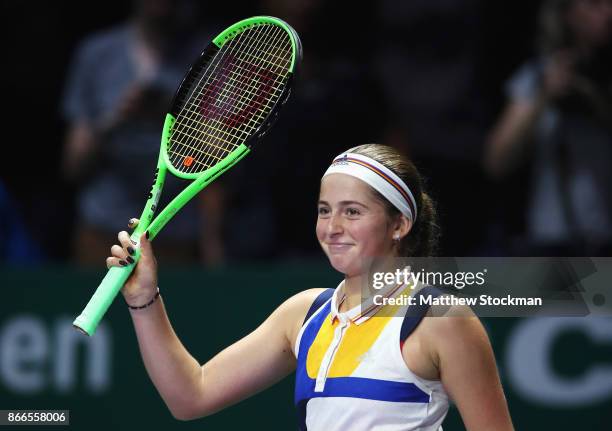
{"x": 227, "y": 101}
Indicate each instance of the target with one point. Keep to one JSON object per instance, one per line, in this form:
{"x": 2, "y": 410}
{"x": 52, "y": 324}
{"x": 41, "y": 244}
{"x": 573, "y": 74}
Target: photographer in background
{"x": 559, "y": 115}
{"x": 121, "y": 83}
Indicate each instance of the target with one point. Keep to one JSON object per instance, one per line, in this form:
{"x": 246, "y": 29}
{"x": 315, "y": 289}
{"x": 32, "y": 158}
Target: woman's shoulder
{"x": 299, "y": 304}
{"x": 294, "y": 311}
{"x": 451, "y": 327}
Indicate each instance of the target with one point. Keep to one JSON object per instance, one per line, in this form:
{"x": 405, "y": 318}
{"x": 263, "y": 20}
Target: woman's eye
{"x": 352, "y": 211}
{"x": 323, "y": 211}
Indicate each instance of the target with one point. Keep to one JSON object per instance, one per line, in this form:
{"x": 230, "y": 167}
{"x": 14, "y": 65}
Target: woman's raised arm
{"x": 191, "y": 390}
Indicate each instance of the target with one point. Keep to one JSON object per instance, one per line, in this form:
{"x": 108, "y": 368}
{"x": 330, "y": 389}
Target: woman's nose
{"x": 335, "y": 225}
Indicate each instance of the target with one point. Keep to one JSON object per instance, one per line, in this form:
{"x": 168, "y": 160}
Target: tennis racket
{"x": 228, "y": 100}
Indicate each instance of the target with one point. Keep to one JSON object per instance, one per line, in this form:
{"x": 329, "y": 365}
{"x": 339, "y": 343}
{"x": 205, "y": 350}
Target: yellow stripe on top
{"x": 356, "y": 341}
{"x": 319, "y": 346}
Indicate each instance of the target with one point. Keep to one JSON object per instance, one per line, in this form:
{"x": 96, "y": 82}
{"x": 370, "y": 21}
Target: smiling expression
{"x": 352, "y": 224}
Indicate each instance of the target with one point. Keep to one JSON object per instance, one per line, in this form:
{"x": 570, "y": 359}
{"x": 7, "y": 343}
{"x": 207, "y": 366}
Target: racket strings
{"x": 232, "y": 97}
{"x": 188, "y": 86}
{"x": 216, "y": 133}
{"x": 223, "y": 94}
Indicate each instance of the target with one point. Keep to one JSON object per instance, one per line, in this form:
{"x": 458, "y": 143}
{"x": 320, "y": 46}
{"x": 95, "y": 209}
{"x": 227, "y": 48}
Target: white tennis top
{"x": 351, "y": 374}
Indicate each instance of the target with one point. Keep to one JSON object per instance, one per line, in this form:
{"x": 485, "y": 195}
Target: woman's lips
{"x": 339, "y": 247}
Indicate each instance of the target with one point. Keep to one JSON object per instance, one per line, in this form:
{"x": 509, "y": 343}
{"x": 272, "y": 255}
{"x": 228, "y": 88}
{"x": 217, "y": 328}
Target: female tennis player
{"x": 359, "y": 368}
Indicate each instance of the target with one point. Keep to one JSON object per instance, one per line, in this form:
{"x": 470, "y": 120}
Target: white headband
{"x": 381, "y": 178}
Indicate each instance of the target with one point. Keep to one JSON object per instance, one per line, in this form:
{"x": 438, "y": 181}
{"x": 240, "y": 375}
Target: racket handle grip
{"x": 102, "y": 298}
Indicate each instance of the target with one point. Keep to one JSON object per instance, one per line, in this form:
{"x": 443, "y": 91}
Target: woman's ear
{"x": 402, "y": 227}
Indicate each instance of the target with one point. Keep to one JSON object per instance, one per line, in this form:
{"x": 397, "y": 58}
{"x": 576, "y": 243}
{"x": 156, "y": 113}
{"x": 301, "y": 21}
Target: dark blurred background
{"x": 455, "y": 55}
{"x": 505, "y": 107}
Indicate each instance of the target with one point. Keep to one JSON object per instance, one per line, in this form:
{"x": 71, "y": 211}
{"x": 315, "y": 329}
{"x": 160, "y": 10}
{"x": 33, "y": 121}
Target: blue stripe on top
{"x": 303, "y": 383}
{"x": 318, "y": 302}
{"x": 371, "y": 389}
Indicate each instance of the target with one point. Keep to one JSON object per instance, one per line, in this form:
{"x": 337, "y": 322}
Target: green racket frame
{"x": 94, "y": 311}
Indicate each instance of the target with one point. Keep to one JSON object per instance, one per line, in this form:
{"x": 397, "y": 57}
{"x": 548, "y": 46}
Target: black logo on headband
{"x": 342, "y": 160}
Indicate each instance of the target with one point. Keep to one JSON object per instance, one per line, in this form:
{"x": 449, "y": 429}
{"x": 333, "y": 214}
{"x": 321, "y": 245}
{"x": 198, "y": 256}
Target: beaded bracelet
{"x": 131, "y": 307}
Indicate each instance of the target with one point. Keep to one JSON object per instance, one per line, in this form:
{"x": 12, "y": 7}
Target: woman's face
{"x": 591, "y": 21}
{"x": 352, "y": 224}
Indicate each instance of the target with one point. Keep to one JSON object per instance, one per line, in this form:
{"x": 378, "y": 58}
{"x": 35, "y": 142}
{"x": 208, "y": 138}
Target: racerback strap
{"x": 415, "y": 313}
{"x": 319, "y": 300}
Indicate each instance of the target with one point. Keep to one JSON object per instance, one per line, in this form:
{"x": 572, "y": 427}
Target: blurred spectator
{"x": 120, "y": 85}
{"x": 559, "y": 117}
{"x": 427, "y": 60}
{"x": 16, "y": 244}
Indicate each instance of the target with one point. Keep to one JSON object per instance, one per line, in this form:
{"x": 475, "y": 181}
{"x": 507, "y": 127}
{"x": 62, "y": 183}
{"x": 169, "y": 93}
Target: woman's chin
{"x": 339, "y": 264}
{"x": 348, "y": 267}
